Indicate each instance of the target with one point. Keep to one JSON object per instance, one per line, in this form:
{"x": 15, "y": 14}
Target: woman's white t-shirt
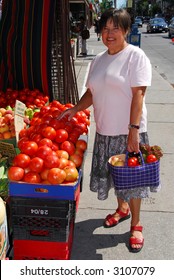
{"x": 110, "y": 80}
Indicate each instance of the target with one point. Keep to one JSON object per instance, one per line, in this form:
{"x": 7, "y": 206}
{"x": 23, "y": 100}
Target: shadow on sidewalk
{"x": 87, "y": 242}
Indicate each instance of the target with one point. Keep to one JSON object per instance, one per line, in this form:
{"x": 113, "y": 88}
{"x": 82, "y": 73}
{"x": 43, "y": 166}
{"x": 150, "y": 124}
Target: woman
{"x": 116, "y": 87}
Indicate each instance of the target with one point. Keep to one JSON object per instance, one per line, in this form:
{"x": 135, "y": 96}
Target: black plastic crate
{"x": 41, "y": 219}
{"x": 38, "y": 207}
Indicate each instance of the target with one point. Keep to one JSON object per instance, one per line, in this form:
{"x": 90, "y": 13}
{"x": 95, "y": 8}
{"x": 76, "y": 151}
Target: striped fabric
{"x": 25, "y": 44}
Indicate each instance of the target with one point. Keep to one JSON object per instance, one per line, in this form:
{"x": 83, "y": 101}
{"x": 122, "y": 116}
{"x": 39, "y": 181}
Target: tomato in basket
{"x": 151, "y": 158}
{"x": 132, "y": 161}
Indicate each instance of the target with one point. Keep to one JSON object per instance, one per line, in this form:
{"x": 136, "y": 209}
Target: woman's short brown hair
{"x": 120, "y": 17}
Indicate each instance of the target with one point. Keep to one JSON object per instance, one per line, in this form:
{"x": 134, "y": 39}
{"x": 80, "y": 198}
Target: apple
{"x": 120, "y": 162}
{"x": 4, "y": 128}
{"x": 114, "y": 160}
{"x": 2, "y": 111}
{"x": 7, "y": 135}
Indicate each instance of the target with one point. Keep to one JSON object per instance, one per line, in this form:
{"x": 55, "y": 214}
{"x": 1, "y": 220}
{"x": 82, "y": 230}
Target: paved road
{"x": 91, "y": 240}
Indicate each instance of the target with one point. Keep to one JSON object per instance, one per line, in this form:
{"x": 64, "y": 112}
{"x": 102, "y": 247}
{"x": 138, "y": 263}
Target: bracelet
{"x": 133, "y": 126}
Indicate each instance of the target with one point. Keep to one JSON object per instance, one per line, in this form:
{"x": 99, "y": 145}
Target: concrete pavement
{"x": 91, "y": 240}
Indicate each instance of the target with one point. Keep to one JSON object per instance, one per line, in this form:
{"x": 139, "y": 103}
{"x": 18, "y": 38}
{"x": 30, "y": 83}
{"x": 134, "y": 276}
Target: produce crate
{"x": 61, "y": 192}
{"x": 41, "y": 219}
{"x": 43, "y": 250}
{"x": 10, "y": 141}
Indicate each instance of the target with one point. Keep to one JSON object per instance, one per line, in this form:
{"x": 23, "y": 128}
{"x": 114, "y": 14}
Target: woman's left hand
{"x": 133, "y": 140}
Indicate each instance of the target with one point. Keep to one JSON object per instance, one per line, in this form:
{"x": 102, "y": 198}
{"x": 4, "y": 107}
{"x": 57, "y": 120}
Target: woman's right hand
{"x": 70, "y": 112}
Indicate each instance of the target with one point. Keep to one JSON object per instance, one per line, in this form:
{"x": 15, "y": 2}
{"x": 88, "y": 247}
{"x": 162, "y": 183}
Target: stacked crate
{"x": 42, "y": 220}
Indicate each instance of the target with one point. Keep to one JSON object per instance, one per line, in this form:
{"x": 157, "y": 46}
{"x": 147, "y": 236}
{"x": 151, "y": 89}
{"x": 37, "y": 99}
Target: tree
{"x": 142, "y": 7}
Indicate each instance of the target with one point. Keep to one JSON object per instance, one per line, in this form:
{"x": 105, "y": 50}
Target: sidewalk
{"x": 91, "y": 240}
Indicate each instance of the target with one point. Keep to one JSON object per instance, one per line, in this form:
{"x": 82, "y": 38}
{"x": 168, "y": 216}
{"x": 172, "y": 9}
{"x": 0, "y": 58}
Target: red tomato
{"x": 35, "y": 137}
{"x": 80, "y": 127}
{"x": 43, "y": 152}
{"x": 44, "y": 174}
{"x": 56, "y": 176}
{"x": 76, "y": 159}
{"x": 132, "y": 161}
{"x": 22, "y": 141}
{"x": 79, "y": 152}
{"x": 57, "y": 104}
{"x": 68, "y": 146}
{"x": 32, "y": 177}
{"x": 63, "y": 162}
{"x": 55, "y": 146}
{"x": 55, "y": 112}
{"x": 45, "y": 141}
{"x": 69, "y": 105}
{"x": 36, "y": 164}
{"x": 35, "y": 121}
{"x": 15, "y": 173}
{"x": 49, "y": 132}
{"x": 21, "y": 160}
{"x": 71, "y": 174}
{"x": 74, "y": 121}
{"x": 81, "y": 116}
{"x": 23, "y": 133}
{"x": 81, "y": 144}
{"x": 71, "y": 163}
{"x": 46, "y": 119}
{"x": 87, "y": 112}
{"x": 29, "y": 148}
{"x": 62, "y": 154}
{"x": 68, "y": 127}
{"x": 61, "y": 135}
{"x": 73, "y": 137}
{"x": 151, "y": 158}
{"x": 51, "y": 161}
{"x": 44, "y": 110}
{"x": 31, "y": 129}
{"x": 45, "y": 99}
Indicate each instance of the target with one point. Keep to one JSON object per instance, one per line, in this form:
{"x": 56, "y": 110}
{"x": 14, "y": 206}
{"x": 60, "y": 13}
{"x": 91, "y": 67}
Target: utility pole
{"x": 115, "y": 3}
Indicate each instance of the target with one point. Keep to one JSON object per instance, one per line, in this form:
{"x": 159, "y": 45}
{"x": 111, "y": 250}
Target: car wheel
{"x": 169, "y": 35}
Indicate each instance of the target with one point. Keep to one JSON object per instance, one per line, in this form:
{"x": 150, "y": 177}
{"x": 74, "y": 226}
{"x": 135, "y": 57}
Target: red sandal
{"x": 136, "y": 241}
{"x": 113, "y": 221}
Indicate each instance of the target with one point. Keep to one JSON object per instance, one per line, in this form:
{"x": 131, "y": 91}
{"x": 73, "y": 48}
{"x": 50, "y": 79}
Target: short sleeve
{"x": 140, "y": 70}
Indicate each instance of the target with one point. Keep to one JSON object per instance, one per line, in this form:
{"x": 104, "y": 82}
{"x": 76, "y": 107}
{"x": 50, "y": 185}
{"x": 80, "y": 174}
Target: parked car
{"x": 171, "y": 29}
{"x": 139, "y": 17}
{"x": 139, "y": 22}
{"x": 146, "y": 19}
{"x": 157, "y": 25}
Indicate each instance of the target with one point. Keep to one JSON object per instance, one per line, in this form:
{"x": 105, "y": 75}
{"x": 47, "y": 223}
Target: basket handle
{"x": 141, "y": 156}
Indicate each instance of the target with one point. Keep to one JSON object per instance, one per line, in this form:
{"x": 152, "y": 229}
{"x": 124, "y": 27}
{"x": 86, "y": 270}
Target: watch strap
{"x": 133, "y": 126}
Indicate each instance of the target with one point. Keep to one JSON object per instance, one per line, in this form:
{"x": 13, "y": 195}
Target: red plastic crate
{"x": 43, "y": 250}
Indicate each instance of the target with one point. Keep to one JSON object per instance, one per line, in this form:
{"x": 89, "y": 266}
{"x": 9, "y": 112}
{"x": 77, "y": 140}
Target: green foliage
{"x": 142, "y": 8}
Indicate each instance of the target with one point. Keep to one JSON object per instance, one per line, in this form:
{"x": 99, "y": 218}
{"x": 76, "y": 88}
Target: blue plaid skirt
{"x": 101, "y": 180}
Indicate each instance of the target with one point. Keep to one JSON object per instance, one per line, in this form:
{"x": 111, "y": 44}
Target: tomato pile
{"x": 31, "y": 98}
{"x": 51, "y": 151}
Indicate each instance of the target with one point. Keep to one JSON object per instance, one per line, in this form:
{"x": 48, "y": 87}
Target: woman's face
{"x": 113, "y": 37}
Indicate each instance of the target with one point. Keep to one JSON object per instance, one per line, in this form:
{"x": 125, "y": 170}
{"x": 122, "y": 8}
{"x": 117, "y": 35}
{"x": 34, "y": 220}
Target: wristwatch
{"x": 133, "y": 126}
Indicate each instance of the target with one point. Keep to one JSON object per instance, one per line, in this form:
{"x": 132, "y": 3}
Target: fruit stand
{"x": 42, "y": 157}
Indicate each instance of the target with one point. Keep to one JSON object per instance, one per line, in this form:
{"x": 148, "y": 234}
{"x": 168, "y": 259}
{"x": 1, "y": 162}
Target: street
{"x": 160, "y": 49}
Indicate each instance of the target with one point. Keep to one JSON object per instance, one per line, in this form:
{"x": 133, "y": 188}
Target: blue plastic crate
{"x": 61, "y": 192}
